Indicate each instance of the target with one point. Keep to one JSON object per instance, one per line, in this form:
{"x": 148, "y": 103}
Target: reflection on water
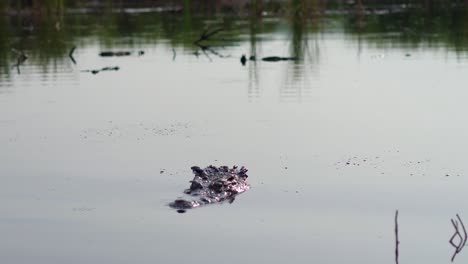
{"x": 253, "y": 29}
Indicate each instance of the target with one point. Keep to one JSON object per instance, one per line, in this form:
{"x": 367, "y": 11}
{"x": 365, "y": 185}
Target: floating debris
{"x": 276, "y": 58}
{"x": 244, "y": 59}
{"x": 119, "y": 53}
{"x": 143, "y": 131}
{"x": 115, "y": 68}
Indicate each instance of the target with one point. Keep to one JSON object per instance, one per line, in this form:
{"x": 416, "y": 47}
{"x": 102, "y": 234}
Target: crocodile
{"x": 212, "y": 185}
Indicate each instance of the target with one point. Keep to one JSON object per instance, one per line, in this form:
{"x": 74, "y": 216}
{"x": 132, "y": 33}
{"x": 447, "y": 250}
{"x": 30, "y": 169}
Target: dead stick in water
{"x": 464, "y": 231}
{"x": 19, "y": 60}
{"x": 462, "y": 238}
{"x": 206, "y": 35}
{"x": 70, "y": 54}
{"x": 397, "y": 242}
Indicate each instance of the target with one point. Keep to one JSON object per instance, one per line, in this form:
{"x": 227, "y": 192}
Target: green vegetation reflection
{"x": 46, "y": 31}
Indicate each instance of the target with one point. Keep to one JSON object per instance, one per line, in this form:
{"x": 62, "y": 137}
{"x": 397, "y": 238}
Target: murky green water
{"x": 370, "y": 118}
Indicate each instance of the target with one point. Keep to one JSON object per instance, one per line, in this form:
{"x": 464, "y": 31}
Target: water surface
{"x": 369, "y": 119}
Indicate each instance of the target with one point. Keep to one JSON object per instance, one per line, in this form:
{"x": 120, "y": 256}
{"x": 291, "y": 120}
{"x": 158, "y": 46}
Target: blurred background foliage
{"x": 46, "y": 30}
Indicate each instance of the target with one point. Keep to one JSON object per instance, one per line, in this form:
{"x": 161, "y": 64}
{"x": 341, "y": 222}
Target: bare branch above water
{"x": 70, "y": 54}
{"x": 21, "y": 57}
{"x": 207, "y": 34}
{"x": 461, "y": 236}
{"x": 397, "y": 241}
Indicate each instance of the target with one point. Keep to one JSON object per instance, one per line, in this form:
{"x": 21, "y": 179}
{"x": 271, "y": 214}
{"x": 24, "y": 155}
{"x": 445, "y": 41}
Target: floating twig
{"x": 276, "y": 58}
{"x": 462, "y": 237}
{"x": 397, "y": 241}
{"x": 120, "y": 53}
{"x": 115, "y": 68}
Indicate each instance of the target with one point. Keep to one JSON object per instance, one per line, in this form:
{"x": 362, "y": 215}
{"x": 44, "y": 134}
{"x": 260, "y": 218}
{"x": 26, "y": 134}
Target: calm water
{"x": 368, "y": 120}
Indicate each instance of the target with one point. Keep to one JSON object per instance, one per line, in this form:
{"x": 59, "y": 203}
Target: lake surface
{"x": 368, "y": 120}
